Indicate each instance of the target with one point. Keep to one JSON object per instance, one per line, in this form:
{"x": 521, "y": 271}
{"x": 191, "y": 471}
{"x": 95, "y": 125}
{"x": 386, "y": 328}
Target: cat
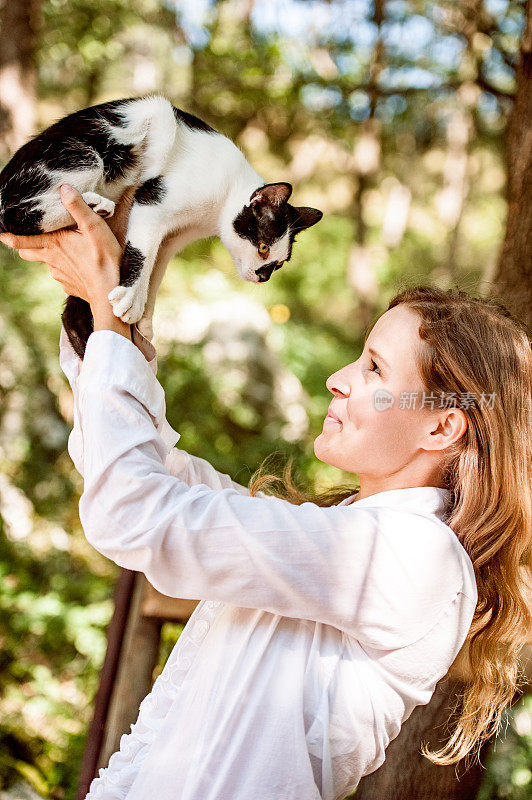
{"x": 192, "y": 182}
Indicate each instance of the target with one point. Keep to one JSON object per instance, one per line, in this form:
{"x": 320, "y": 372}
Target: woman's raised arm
{"x": 378, "y": 573}
{"x": 188, "y": 468}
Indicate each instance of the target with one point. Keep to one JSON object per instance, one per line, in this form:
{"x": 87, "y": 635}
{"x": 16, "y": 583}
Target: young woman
{"x": 324, "y": 621}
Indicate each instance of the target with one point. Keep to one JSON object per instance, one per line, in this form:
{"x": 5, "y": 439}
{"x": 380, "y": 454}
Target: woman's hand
{"x": 86, "y": 260}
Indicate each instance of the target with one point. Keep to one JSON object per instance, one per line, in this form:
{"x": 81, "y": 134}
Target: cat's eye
{"x": 264, "y": 250}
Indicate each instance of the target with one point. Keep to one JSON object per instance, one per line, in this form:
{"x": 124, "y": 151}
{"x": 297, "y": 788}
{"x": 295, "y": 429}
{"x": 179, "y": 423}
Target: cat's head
{"x": 261, "y": 234}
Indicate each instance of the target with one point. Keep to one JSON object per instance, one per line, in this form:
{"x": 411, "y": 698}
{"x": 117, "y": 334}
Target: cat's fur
{"x": 192, "y": 183}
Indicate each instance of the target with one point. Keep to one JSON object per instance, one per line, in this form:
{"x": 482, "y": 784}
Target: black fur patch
{"x": 74, "y": 142}
{"x": 86, "y": 125}
{"x": 131, "y": 265}
{"x": 274, "y": 222}
{"x": 22, "y": 178}
{"x": 77, "y": 322}
{"x": 192, "y": 121}
{"x": 152, "y": 191}
{"x": 117, "y": 160}
{"x": 19, "y": 212}
{"x": 23, "y": 219}
{"x": 266, "y": 229}
{"x": 111, "y": 112}
{"x": 71, "y": 155}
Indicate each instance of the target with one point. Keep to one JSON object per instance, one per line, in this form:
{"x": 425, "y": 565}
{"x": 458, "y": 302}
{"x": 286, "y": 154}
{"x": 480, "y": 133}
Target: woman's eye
{"x": 264, "y": 250}
{"x": 374, "y": 365}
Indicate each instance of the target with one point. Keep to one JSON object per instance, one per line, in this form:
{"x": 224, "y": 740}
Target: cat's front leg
{"x": 129, "y": 299}
{"x": 144, "y": 234}
{"x": 171, "y": 244}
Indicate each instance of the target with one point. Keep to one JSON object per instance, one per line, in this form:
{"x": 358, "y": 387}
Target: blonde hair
{"x": 475, "y": 345}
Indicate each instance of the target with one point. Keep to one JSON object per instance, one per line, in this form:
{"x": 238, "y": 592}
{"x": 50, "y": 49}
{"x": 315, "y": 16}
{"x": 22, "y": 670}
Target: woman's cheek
{"x": 398, "y": 427}
{"x": 361, "y": 410}
{"x": 379, "y": 423}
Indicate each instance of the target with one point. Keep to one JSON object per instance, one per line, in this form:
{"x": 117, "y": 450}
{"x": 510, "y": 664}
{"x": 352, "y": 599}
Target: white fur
{"x": 208, "y": 181}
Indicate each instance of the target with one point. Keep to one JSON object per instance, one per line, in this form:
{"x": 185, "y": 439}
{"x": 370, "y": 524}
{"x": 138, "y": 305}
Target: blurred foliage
{"x": 509, "y": 767}
{"x": 390, "y": 117}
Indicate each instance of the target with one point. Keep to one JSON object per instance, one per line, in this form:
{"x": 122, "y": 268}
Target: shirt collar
{"x": 421, "y": 499}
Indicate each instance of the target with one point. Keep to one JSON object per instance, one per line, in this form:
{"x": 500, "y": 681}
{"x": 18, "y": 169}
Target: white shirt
{"x": 319, "y": 629}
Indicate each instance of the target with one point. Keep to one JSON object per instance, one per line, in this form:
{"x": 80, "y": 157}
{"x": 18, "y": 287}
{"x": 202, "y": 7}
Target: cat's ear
{"x": 303, "y": 217}
{"x": 272, "y": 194}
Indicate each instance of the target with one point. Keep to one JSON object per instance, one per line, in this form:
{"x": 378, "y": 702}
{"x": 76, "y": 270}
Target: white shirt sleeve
{"x": 381, "y": 574}
{"x": 189, "y": 468}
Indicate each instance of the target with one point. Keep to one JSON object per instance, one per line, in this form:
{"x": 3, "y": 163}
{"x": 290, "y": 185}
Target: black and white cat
{"x": 192, "y": 182}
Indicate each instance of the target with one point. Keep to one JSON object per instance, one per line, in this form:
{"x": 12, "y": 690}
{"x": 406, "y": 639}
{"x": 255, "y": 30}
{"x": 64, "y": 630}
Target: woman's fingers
{"x": 33, "y": 255}
{"x": 86, "y": 261}
{"x": 86, "y": 219}
{"x": 68, "y": 286}
{"x": 68, "y": 283}
{"x": 35, "y": 242}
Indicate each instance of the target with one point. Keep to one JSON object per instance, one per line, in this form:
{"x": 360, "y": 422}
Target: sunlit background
{"x": 389, "y": 116}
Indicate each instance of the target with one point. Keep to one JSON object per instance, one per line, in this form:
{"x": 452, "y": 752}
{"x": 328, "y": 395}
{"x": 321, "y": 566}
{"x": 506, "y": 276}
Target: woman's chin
{"x": 322, "y": 446}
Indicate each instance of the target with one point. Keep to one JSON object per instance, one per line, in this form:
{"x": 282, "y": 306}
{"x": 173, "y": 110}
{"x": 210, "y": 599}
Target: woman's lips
{"x": 331, "y": 421}
{"x": 331, "y": 417}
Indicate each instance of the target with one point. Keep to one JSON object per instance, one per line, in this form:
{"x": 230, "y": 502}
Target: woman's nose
{"x": 337, "y": 384}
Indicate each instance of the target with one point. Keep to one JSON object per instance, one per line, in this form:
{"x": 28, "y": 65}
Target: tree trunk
{"x": 407, "y": 775}
{"x": 17, "y": 73}
{"x": 513, "y": 278}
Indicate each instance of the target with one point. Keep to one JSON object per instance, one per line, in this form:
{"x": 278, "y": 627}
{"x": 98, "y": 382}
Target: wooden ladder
{"x": 133, "y": 639}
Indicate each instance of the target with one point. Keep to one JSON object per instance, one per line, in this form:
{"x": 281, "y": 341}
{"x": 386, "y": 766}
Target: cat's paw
{"x": 128, "y": 302}
{"x": 101, "y": 205}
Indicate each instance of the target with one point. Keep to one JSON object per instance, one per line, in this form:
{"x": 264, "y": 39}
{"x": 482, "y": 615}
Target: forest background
{"x": 390, "y": 116}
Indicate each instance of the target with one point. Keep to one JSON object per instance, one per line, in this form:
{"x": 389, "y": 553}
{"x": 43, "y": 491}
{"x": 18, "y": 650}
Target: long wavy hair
{"x": 474, "y": 345}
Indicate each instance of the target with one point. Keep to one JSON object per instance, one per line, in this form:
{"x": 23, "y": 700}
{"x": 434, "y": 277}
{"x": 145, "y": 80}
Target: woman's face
{"x": 376, "y": 432}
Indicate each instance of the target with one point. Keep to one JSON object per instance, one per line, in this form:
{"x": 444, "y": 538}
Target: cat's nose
{"x": 264, "y": 273}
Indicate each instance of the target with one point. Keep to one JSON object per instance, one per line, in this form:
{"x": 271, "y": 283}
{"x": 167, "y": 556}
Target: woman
{"x": 324, "y": 621}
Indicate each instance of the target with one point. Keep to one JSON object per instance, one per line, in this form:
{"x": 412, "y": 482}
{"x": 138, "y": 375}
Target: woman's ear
{"x": 446, "y": 428}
